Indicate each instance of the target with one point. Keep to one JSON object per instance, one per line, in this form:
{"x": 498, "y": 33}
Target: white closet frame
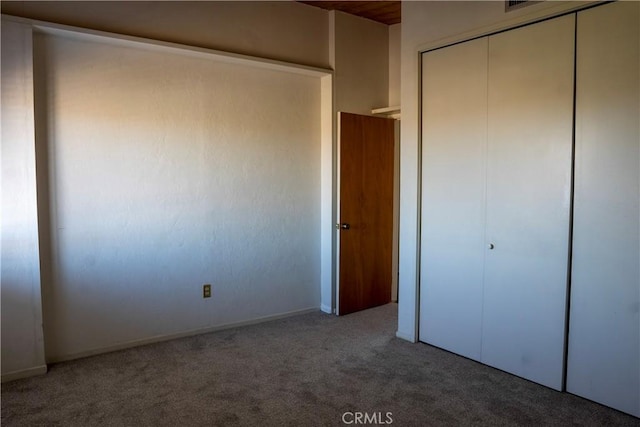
{"x": 496, "y": 198}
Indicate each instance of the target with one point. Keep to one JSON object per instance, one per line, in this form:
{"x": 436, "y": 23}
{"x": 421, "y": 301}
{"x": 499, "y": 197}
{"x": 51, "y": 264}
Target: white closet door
{"x": 454, "y": 145}
{"x": 604, "y": 331}
{"x": 530, "y": 122}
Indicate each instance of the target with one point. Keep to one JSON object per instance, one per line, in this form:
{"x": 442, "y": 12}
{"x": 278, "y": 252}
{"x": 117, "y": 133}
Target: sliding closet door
{"x": 604, "y": 330}
{"x": 530, "y": 122}
{"x": 454, "y": 145}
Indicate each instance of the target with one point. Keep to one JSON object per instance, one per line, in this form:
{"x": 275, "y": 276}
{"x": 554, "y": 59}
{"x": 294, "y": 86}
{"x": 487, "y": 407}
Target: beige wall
{"x": 296, "y": 33}
{"x": 283, "y": 30}
{"x": 167, "y": 172}
{"x": 359, "y": 55}
{"x": 394, "y": 64}
{"x": 277, "y": 30}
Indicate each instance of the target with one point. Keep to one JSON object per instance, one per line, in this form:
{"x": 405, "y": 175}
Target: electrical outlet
{"x": 206, "y": 291}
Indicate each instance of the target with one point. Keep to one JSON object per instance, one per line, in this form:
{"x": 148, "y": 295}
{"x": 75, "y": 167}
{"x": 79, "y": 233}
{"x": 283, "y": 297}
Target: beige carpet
{"x": 302, "y": 371}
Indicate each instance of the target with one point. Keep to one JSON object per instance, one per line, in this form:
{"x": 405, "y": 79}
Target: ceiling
{"x": 386, "y": 12}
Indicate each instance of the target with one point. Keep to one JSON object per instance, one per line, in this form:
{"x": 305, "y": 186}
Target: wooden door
{"x": 366, "y": 212}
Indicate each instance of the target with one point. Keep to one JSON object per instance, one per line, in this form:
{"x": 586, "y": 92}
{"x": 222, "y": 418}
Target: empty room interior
{"x": 320, "y": 213}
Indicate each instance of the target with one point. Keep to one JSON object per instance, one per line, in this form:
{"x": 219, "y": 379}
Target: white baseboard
{"x": 24, "y": 373}
{"x": 161, "y": 338}
{"x": 406, "y": 337}
{"x": 326, "y": 309}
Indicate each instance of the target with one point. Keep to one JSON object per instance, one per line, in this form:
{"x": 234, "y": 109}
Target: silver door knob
{"x": 491, "y": 246}
{"x": 345, "y": 226}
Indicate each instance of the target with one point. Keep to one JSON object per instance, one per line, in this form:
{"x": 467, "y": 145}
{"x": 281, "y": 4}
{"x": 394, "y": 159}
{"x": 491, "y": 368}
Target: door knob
{"x": 491, "y": 246}
{"x": 345, "y": 226}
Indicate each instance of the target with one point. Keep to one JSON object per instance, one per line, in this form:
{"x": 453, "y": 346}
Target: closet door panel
{"x": 453, "y": 183}
{"x": 604, "y": 331}
{"x": 530, "y": 123}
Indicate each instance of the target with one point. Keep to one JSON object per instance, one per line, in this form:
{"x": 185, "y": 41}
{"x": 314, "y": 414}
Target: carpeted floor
{"x": 302, "y": 371}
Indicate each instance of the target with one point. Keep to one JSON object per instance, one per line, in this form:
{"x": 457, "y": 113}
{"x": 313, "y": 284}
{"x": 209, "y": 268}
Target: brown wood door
{"x": 366, "y": 212}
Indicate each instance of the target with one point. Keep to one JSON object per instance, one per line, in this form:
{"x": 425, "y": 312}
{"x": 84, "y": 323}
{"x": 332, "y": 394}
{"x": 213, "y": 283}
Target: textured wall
{"x": 167, "y": 172}
{"x": 22, "y": 341}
